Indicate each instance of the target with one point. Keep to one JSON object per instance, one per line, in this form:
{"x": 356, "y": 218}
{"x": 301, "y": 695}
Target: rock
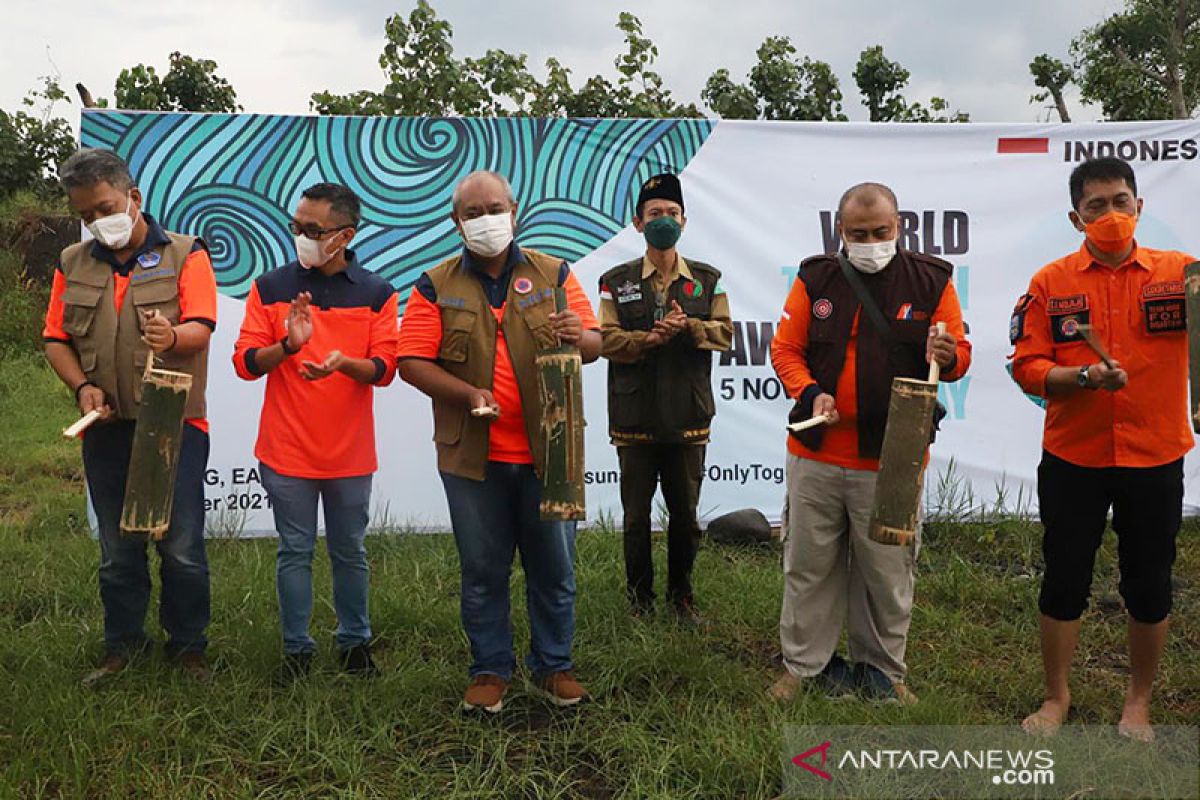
{"x": 747, "y": 526}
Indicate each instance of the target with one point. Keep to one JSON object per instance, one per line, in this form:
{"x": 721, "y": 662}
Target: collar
{"x": 515, "y": 256}
{"x": 155, "y": 237}
{"x": 1087, "y": 260}
{"x": 681, "y": 268}
{"x": 354, "y": 272}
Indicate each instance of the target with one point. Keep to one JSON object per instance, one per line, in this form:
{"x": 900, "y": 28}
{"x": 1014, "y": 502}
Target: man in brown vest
{"x": 471, "y": 330}
{"x": 836, "y": 355}
{"x": 134, "y": 293}
{"x": 661, "y": 320}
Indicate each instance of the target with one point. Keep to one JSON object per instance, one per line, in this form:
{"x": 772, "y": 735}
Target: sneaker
{"x": 111, "y": 664}
{"x": 194, "y": 665}
{"x": 294, "y": 667}
{"x": 356, "y": 660}
{"x": 873, "y": 685}
{"x": 837, "y": 679}
{"x": 686, "y": 612}
{"x": 560, "y": 688}
{"x": 486, "y": 692}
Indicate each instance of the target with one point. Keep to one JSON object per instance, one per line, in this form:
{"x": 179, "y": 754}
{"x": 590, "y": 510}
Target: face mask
{"x": 870, "y": 257}
{"x": 115, "y": 230}
{"x": 488, "y": 236}
{"x": 662, "y": 232}
{"x": 311, "y": 252}
{"x": 1112, "y": 232}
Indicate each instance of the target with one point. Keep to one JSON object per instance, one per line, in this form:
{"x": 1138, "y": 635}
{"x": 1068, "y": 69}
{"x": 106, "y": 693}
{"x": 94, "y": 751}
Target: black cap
{"x": 664, "y": 186}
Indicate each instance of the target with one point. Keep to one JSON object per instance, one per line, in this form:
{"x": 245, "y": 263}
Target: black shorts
{"x": 1147, "y": 510}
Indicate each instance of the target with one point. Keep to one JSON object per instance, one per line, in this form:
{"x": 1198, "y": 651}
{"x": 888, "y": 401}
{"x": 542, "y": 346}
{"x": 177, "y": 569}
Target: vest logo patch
{"x": 628, "y": 292}
{"x": 149, "y": 259}
{"x": 144, "y": 275}
{"x": 522, "y": 286}
{"x": 1070, "y": 304}
{"x": 692, "y": 289}
{"x": 539, "y": 296}
{"x": 907, "y": 312}
{"x": 452, "y": 302}
{"x": 823, "y": 308}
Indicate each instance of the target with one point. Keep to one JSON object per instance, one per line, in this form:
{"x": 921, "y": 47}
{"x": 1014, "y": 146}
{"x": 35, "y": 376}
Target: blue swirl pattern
{"x": 233, "y": 178}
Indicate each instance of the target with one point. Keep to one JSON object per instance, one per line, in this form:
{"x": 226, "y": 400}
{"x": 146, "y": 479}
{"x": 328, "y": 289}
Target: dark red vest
{"x": 907, "y": 291}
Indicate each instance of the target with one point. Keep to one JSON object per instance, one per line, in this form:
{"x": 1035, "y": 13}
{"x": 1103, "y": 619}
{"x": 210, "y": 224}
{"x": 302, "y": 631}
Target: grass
{"x": 676, "y": 713}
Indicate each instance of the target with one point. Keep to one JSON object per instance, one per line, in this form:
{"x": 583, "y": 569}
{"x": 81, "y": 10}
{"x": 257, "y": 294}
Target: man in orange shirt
{"x": 837, "y": 356}
{"x": 471, "y": 331}
{"x": 323, "y": 330}
{"x": 134, "y": 293}
{"x": 1115, "y": 432}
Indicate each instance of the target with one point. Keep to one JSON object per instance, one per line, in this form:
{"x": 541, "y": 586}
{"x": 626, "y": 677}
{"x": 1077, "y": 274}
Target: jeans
{"x": 184, "y": 605}
{"x": 346, "y": 502}
{"x": 680, "y": 468}
{"x": 491, "y": 518}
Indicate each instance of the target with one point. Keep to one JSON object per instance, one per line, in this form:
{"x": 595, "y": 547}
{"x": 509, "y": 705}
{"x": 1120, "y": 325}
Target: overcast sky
{"x": 976, "y": 54}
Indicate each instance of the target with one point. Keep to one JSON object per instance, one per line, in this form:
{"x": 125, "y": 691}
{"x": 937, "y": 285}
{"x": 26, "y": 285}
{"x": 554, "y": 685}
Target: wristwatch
{"x": 1082, "y": 377}
{"x": 286, "y": 350}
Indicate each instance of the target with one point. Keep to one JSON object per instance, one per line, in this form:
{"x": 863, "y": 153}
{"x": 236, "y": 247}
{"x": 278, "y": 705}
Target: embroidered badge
{"x": 522, "y": 286}
{"x": 1016, "y": 324}
{"x": 823, "y": 308}
{"x": 149, "y": 259}
{"x": 1067, "y": 305}
{"x": 1069, "y": 327}
{"x": 144, "y": 275}
{"x": 628, "y": 292}
{"x": 905, "y": 311}
{"x": 692, "y": 289}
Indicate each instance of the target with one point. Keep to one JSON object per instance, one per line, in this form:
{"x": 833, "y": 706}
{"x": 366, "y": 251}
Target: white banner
{"x": 760, "y": 197}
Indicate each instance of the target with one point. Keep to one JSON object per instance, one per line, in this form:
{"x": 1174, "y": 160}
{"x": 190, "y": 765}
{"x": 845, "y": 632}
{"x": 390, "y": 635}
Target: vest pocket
{"x": 624, "y": 408}
{"x": 447, "y": 423}
{"x": 79, "y": 308}
{"x": 160, "y": 295}
{"x": 457, "y": 325}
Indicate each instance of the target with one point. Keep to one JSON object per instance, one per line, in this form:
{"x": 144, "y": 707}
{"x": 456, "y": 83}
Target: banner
{"x": 760, "y": 197}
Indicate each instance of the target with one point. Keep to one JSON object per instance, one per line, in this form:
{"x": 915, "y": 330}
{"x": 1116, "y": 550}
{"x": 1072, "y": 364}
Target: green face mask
{"x": 662, "y": 233}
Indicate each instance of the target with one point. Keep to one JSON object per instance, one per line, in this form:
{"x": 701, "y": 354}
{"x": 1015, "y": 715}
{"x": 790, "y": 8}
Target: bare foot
{"x": 1048, "y": 719}
{"x": 1135, "y": 722}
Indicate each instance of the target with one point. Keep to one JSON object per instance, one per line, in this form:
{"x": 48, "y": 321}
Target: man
{"x": 661, "y": 320}
{"x": 323, "y": 331}
{"x": 1115, "y": 433}
{"x": 471, "y": 331}
{"x": 135, "y": 293}
{"x": 837, "y": 355}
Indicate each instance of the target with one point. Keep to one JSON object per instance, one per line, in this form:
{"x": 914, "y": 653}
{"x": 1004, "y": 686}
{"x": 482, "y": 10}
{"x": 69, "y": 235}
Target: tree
{"x": 881, "y": 82}
{"x": 780, "y": 87}
{"x": 1142, "y": 63}
{"x": 425, "y": 79}
{"x": 1051, "y": 76}
{"x": 32, "y": 145}
{"x": 189, "y": 85}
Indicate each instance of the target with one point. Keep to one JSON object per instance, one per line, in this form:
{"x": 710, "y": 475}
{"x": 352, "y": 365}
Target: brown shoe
{"x": 560, "y": 688}
{"x": 195, "y": 665}
{"x": 111, "y": 664}
{"x": 487, "y": 692}
{"x": 784, "y": 689}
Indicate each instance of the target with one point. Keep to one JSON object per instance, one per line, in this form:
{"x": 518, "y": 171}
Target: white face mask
{"x": 311, "y": 253}
{"x": 870, "y": 257}
{"x": 115, "y": 230}
{"x": 489, "y": 235}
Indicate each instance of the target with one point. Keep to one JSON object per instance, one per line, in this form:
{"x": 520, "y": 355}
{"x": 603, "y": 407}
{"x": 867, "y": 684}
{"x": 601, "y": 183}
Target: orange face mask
{"x": 1112, "y": 232}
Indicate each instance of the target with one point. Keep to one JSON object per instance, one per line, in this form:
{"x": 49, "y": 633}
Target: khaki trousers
{"x": 832, "y": 571}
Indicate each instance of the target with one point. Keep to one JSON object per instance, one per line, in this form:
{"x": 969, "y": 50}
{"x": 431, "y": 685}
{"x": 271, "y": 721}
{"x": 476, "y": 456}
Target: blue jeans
{"x": 346, "y": 502}
{"x": 124, "y": 569}
{"x": 491, "y": 518}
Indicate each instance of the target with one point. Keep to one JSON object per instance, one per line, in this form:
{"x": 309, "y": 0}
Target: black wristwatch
{"x": 283, "y": 343}
{"x": 1082, "y": 378}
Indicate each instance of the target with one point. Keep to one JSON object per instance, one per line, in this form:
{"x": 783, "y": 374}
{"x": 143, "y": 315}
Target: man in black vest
{"x": 661, "y": 319}
{"x": 837, "y": 354}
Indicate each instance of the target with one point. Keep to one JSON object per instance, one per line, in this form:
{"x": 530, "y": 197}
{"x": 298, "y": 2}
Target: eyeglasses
{"x": 313, "y": 231}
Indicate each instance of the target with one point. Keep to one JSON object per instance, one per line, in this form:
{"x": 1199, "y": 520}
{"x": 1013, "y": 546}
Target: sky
{"x": 276, "y": 54}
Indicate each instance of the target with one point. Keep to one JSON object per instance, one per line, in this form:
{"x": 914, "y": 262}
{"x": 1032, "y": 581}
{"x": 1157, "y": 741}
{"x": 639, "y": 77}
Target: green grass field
{"x": 676, "y": 713}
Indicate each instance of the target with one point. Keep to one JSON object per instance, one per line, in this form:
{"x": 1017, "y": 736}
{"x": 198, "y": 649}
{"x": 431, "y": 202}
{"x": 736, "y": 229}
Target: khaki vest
{"x": 109, "y": 344}
{"x": 468, "y": 352}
